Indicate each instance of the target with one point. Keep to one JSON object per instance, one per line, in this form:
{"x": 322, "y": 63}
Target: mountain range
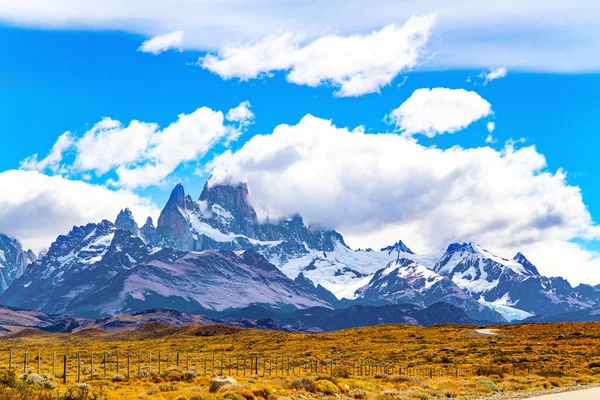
{"x": 213, "y": 255}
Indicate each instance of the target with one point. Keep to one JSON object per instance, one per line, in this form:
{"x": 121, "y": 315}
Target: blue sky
{"x": 66, "y": 75}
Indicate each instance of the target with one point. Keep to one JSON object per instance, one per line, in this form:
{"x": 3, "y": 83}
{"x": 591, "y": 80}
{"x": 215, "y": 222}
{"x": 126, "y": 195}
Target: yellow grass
{"x": 444, "y": 361}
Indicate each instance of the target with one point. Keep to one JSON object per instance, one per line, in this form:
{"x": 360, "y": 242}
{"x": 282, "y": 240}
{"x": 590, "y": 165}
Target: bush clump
{"x": 326, "y": 387}
{"x": 303, "y": 384}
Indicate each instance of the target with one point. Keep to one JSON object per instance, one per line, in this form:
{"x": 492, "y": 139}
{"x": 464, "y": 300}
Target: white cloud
{"x": 494, "y": 73}
{"x": 377, "y": 188}
{"x": 491, "y": 126}
{"x": 36, "y": 208}
{"x": 158, "y": 44}
{"x": 490, "y": 139}
{"x": 356, "y": 64}
{"x": 141, "y": 154}
{"x": 243, "y": 116}
{"x": 439, "y": 110}
{"x": 562, "y": 38}
{"x": 52, "y": 160}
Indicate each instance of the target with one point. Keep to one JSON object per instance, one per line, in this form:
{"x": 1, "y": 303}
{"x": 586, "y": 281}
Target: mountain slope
{"x": 405, "y": 281}
{"x": 13, "y": 261}
{"x": 513, "y": 287}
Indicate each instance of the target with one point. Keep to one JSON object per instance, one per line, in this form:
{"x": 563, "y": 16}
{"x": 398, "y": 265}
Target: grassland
{"x": 383, "y": 362}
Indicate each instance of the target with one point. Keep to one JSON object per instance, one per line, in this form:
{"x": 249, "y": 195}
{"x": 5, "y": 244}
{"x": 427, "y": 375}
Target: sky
{"x": 429, "y": 122}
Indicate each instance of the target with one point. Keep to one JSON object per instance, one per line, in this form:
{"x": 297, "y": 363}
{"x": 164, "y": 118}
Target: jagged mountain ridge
{"x": 405, "y": 281}
{"x": 90, "y": 271}
{"x": 99, "y": 269}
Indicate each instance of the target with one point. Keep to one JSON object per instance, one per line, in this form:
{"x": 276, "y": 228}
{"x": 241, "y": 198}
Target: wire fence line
{"x": 133, "y": 364}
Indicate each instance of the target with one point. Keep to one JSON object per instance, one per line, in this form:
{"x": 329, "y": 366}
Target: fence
{"x": 81, "y": 366}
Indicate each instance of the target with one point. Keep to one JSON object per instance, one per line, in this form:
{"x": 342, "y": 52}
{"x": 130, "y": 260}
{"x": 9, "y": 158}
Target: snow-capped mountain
{"x": 214, "y": 253}
{"x": 513, "y": 287}
{"x": 13, "y": 261}
{"x": 405, "y": 281}
{"x": 100, "y": 269}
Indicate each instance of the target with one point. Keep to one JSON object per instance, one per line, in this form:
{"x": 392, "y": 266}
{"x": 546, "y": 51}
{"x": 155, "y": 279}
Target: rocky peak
{"x": 148, "y": 231}
{"x": 177, "y": 197}
{"x": 126, "y": 222}
{"x": 399, "y": 247}
{"x": 469, "y": 247}
{"x": 13, "y": 261}
{"x": 228, "y": 209}
{"x": 521, "y": 259}
{"x": 149, "y": 224}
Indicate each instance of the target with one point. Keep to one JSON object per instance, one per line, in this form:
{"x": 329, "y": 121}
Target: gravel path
{"x": 583, "y": 392}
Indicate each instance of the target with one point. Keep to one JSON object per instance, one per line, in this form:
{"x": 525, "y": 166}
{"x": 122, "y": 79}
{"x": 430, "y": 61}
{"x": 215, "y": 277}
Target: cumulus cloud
{"x": 141, "y": 154}
{"x": 158, "y": 44}
{"x": 36, "y": 208}
{"x": 439, "y": 110}
{"x": 491, "y": 126}
{"x": 356, "y": 64}
{"x": 492, "y": 74}
{"x": 377, "y": 188}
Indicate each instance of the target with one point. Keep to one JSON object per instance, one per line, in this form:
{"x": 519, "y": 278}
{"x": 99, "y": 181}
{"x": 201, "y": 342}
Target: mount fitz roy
{"x": 213, "y": 255}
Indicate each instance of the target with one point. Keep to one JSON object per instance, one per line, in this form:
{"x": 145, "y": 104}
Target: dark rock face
{"x": 125, "y": 222}
{"x": 228, "y": 210}
{"x": 13, "y": 261}
{"x": 149, "y": 232}
{"x": 173, "y": 224}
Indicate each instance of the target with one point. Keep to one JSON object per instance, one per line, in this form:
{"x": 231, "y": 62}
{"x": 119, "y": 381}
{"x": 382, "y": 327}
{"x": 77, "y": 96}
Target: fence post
{"x": 39, "y": 362}
{"x": 204, "y": 364}
{"x": 177, "y": 359}
{"x": 229, "y": 365}
{"x": 117, "y": 362}
{"x": 92, "y": 365}
{"x": 104, "y": 362}
{"x": 222, "y": 362}
{"x": 10, "y": 360}
{"x": 65, "y": 368}
{"x": 128, "y": 364}
{"x": 139, "y": 363}
{"x": 187, "y": 361}
{"x": 78, "y": 367}
{"x": 54, "y": 364}
{"x": 150, "y": 361}
{"x": 25, "y": 363}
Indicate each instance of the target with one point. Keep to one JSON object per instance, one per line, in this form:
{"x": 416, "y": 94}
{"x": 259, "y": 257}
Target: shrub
{"x": 264, "y": 393}
{"x": 168, "y": 387}
{"x": 326, "y": 387}
{"x": 233, "y": 396}
{"x": 303, "y": 384}
{"x": 117, "y": 378}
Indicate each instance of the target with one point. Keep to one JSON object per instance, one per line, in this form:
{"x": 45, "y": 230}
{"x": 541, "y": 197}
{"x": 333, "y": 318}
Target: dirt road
{"x": 588, "y": 394}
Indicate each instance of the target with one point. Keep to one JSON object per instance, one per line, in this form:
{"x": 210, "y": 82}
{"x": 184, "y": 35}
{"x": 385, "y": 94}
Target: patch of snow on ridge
{"x": 414, "y": 271}
{"x": 508, "y": 312}
{"x": 202, "y": 228}
{"x": 2, "y": 256}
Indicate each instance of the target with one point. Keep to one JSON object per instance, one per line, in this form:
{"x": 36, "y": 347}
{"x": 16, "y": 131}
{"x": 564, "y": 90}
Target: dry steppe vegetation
{"x": 382, "y": 362}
